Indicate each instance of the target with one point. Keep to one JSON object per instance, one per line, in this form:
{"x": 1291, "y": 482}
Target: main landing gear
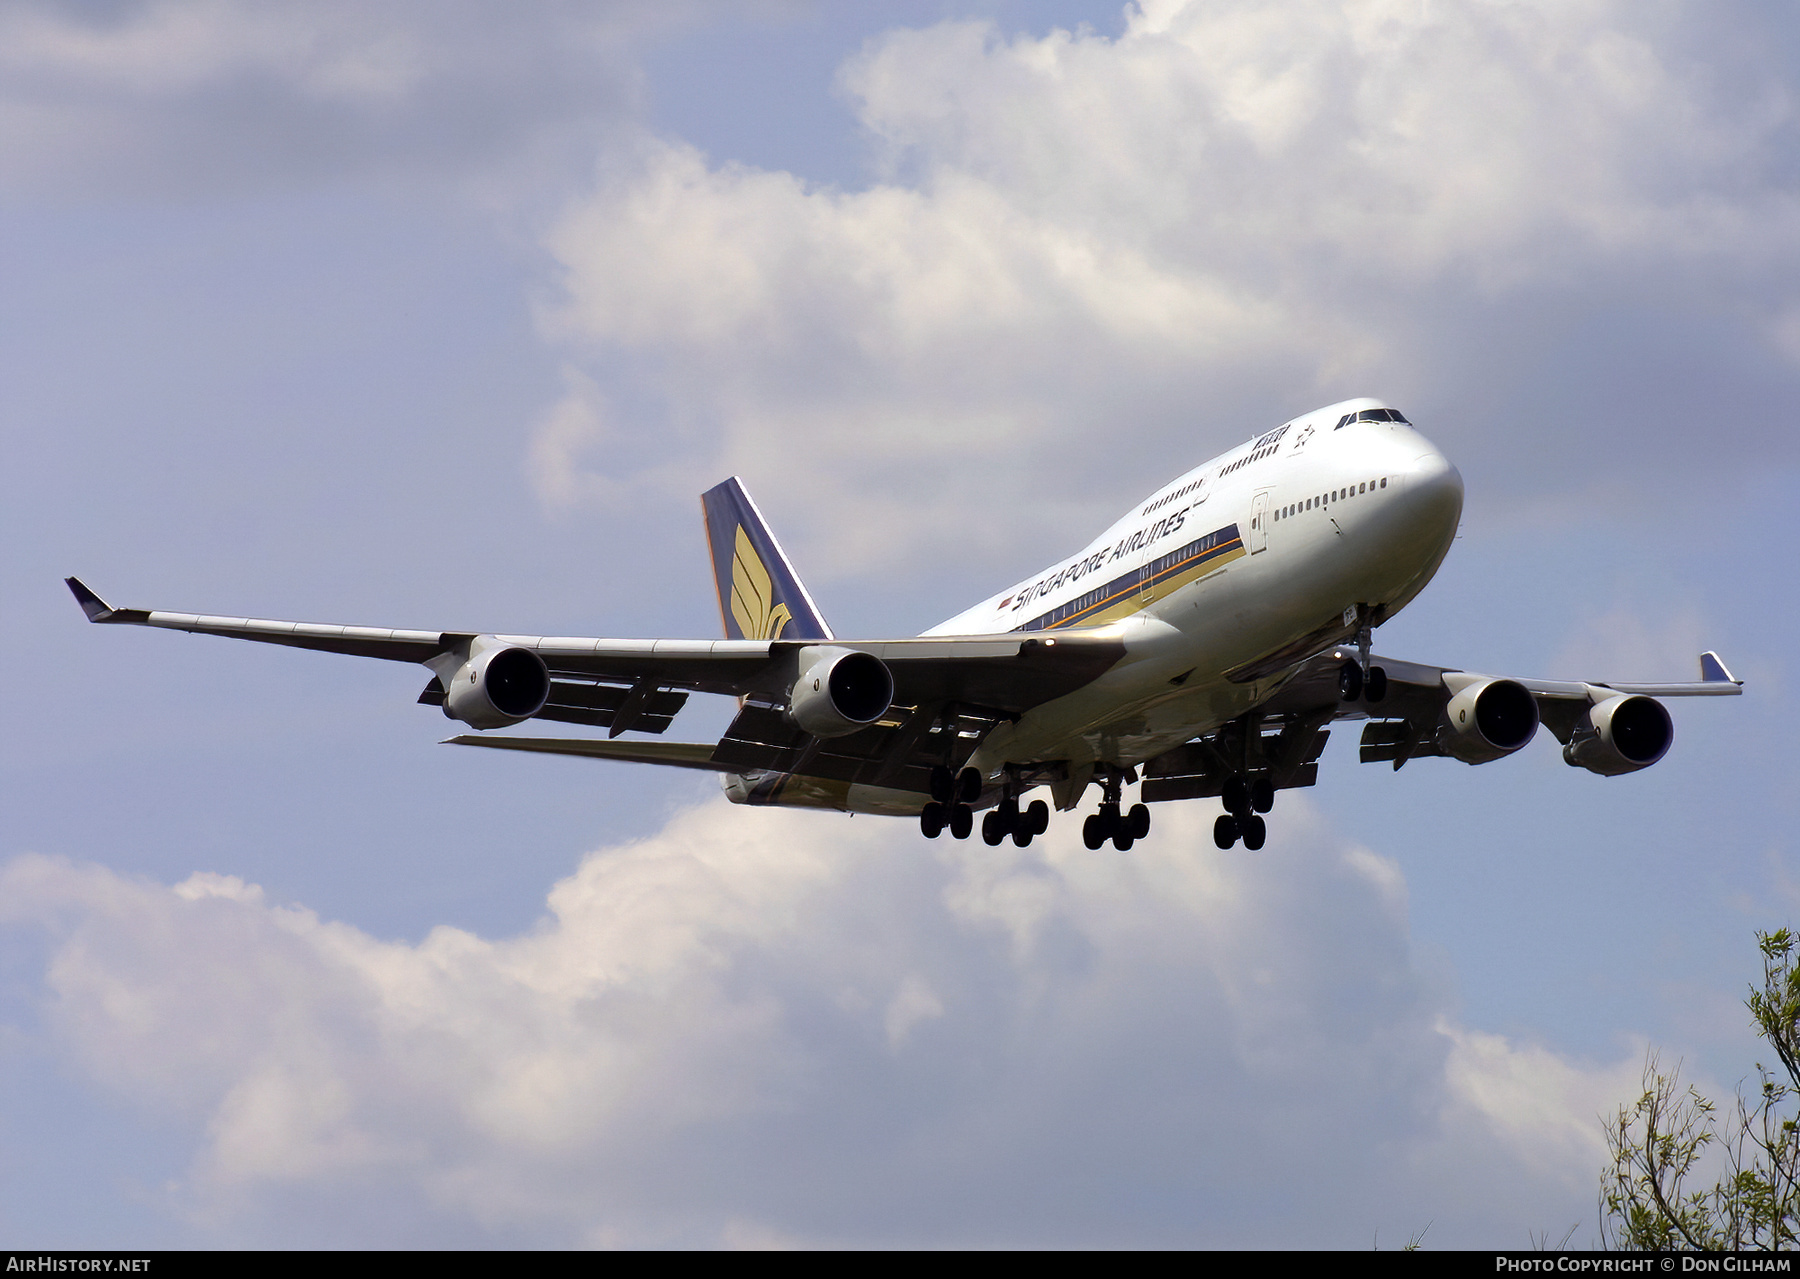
{"x": 1358, "y": 678}
{"x": 951, "y": 795}
{"x": 1245, "y": 799}
{"x": 1021, "y": 823}
{"x": 1124, "y": 829}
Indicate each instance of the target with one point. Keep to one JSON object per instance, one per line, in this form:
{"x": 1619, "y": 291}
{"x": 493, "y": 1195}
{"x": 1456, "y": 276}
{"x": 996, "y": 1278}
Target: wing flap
{"x": 598, "y": 705}
{"x": 671, "y": 754}
{"x": 1287, "y": 749}
{"x": 898, "y": 752}
{"x": 1010, "y": 673}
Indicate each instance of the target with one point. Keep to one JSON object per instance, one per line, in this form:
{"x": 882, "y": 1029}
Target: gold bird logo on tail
{"x": 753, "y": 603}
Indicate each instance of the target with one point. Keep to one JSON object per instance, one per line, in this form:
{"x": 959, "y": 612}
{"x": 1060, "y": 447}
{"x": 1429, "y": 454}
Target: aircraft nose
{"x": 1433, "y": 489}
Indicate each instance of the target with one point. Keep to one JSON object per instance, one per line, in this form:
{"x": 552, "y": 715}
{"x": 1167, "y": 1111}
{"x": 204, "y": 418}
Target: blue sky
{"x": 429, "y": 316}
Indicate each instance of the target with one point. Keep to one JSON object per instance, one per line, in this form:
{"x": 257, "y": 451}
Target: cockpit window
{"x": 1372, "y": 415}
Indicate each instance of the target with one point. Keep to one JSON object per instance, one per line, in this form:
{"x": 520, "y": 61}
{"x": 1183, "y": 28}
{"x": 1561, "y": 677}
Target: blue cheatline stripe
{"x": 1163, "y": 568}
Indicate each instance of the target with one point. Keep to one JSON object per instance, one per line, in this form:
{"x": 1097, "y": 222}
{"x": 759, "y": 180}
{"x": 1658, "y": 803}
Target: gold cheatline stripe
{"x": 1193, "y": 574}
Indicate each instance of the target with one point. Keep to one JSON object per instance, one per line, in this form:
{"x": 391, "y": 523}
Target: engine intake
{"x": 498, "y": 688}
{"x": 1620, "y": 735}
{"x": 1488, "y": 719}
{"x": 839, "y": 691}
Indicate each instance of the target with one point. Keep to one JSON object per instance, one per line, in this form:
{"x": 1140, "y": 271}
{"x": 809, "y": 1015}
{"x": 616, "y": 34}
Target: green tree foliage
{"x": 1652, "y": 1194}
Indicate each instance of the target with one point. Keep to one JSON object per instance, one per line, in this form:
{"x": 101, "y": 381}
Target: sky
{"x": 440, "y": 316}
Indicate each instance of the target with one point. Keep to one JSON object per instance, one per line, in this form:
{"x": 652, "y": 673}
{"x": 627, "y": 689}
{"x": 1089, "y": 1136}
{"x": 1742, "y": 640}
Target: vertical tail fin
{"x": 760, "y": 595}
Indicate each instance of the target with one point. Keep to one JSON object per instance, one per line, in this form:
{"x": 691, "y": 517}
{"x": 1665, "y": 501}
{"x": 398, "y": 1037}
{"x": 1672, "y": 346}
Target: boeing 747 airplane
{"x": 1199, "y": 647}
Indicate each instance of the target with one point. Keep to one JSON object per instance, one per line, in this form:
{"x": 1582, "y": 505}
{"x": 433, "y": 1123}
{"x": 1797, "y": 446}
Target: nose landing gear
{"x": 1358, "y": 678}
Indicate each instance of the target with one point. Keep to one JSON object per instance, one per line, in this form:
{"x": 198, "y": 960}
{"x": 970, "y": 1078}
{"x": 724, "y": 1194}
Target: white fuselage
{"x": 1221, "y": 582}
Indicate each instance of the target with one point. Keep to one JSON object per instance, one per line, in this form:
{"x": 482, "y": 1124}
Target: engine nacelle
{"x": 839, "y": 691}
{"x": 1488, "y": 719}
{"x": 498, "y": 687}
{"x": 1620, "y": 735}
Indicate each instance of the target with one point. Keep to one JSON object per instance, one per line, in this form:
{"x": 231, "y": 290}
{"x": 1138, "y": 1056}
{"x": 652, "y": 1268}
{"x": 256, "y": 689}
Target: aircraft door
{"x": 1259, "y": 523}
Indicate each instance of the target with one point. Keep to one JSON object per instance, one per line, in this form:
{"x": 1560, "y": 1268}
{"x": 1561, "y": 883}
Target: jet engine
{"x": 1488, "y": 719}
{"x": 1620, "y": 735}
{"x": 498, "y": 687}
{"x": 839, "y": 691}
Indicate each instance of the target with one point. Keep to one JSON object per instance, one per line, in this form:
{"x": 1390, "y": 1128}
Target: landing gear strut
{"x": 1124, "y": 829}
{"x": 1358, "y": 678}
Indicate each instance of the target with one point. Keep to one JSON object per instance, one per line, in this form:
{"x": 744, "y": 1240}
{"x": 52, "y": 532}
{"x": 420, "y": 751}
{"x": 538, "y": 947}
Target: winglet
{"x": 97, "y": 609}
{"x": 1712, "y": 670}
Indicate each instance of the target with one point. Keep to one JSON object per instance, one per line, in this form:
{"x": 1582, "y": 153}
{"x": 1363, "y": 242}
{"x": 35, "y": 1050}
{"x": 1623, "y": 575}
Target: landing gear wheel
{"x": 993, "y": 829}
{"x": 1375, "y": 687}
{"x": 931, "y": 820}
{"x": 1350, "y": 681}
{"x": 1137, "y": 821}
{"x": 1037, "y": 817}
{"x": 1262, "y": 794}
{"x": 1022, "y": 836}
{"x": 943, "y": 784}
{"x": 1236, "y": 796}
{"x": 1122, "y": 839}
{"x": 1225, "y": 831}
{"x": 968, "y": 786}
{"x": 962, "y": 821}
{"x": 1092, "y": 833}
{"x": 1255, "y": 832}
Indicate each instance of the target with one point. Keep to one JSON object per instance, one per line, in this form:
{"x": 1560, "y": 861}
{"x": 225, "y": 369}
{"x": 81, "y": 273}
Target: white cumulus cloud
{"x": 764, "y": 1026}
{"x": 1089, "y": 249}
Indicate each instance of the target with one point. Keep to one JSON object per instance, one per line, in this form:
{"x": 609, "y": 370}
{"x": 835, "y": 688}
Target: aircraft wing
{"x": 598, "y": 681}
{"x": 1287, "y": 733}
